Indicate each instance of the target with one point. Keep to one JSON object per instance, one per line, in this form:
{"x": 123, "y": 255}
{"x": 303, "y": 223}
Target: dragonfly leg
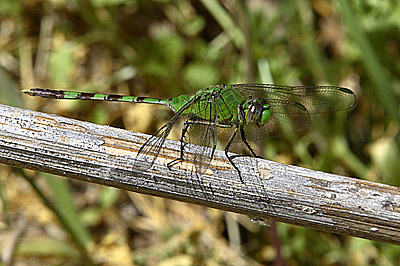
{"x": 231, "y": 157}
{"x": 242, "y": 117}
{"x": 183, "y": 144}
{"x": 243, "y": 137}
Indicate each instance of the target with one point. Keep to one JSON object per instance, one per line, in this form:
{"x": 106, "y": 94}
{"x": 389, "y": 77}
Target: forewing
{"x": 316, "y": 99}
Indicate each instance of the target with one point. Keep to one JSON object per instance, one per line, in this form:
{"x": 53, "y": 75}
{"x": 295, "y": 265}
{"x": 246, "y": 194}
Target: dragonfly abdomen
{"x": 72, "y": 95}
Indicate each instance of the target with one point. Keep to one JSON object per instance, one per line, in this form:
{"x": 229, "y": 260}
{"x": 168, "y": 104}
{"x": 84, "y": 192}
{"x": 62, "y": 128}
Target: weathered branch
{"x": 106, "y": 155}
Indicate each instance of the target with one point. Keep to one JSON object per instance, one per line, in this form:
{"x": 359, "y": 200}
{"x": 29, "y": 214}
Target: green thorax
{"x": 223, "y": 97}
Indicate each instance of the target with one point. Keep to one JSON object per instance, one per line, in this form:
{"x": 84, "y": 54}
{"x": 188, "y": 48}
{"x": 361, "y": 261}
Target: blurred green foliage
{"x": 164, "y": 48}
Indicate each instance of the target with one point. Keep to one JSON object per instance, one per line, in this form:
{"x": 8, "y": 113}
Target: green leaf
{"x": 65, "y": 204}
{"x": 199, "y": 75}
{"x": 61, "y": 64}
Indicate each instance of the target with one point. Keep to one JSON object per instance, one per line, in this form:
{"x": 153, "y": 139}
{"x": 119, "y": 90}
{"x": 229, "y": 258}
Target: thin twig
{"x": 106, "y": 155}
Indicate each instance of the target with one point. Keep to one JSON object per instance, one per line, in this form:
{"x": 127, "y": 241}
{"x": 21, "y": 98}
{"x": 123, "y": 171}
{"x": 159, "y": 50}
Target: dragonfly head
{"x": 257, "y": 111}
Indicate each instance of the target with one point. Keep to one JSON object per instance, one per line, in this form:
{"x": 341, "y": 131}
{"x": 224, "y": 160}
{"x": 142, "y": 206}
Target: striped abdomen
{"x": 60, "y": 94}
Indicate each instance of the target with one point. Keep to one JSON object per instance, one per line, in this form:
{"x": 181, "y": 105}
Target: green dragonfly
{"x": 234, "y": 113}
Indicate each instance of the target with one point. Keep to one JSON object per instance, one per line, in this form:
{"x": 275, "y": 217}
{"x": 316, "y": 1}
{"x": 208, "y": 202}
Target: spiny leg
{"x": 183, "y": 144}
{"x": 243, "y": 137}
{"x": 242, "y": 119}
{"x": 231, "y": 157}
{"x": 199, "y": 154}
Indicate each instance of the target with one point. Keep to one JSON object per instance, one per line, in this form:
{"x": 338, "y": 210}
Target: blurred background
{"x": 165, "y": 48}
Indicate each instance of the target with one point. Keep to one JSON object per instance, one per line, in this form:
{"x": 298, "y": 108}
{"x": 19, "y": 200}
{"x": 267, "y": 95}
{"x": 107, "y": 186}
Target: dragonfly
{"x": 231, "y": 113}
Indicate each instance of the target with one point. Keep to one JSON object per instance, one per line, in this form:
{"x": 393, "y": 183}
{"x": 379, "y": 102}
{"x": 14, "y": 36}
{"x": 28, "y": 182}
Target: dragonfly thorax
{"x": 257, "y": 111}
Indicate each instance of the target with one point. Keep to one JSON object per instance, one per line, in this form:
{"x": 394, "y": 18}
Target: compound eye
{"x": 266, "y": 114}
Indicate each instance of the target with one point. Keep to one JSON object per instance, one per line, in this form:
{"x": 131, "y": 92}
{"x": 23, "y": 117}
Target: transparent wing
{"x": 148, "y": 153}
{"x": 203, "y": 135}
{"x": 316, "y": 99}
{"x": 287, "y": 117}
{"x": 202, "y": 132}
